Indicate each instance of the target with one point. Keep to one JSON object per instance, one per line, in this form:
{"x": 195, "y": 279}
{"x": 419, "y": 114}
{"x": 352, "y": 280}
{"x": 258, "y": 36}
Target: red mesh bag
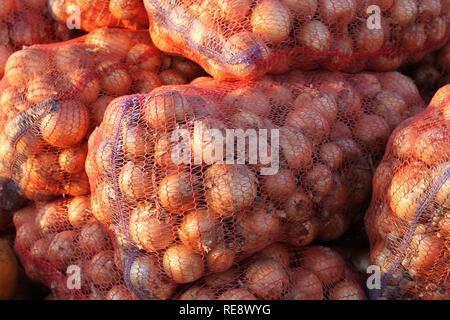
{"x": 63, "y": 247}
{"x": 279, "y": 272}
{"x": 432, "y": 72}
{"x": 408, "y": 220}
{"x": 24, "y": 23}
{"x": 52, "y": 96}
{"x": 300, "y": 171}
{"x": 94, "y": 14}
{"x": 245, "y": 39}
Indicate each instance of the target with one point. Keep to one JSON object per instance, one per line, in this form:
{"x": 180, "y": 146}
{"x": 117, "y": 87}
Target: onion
{"x": 333, "y": 227}
{"x": 302, "y": 233}
{"x": 150, "y": 231}
{"x": 309, "y": 120}
{"x": 325, "y": 263}
{"x": 93, "y": 238}
{"x": 249, "y": 99}
{"x": 403, "y": 12}
{"x": 414, "y": 37}
{"x": 178, "y": 192}
{"x": 237, "y": 294}
{"x": 429, "y": 9}
{"x": 86, "y": 84}
{"x": 77, "y": 185}
{"x": 111, "y": 42}
{"x": 222, "y": 279}
{"x": 72, "y": 160}
{"x": 114, "y": 78}
{"x": 276, "y": 251}
{"x": 279, "y": 186}
{"x": 369, "y": 40}
{"x": 400, "y": 84}
{"x": 315, "y": 36}
{"x": 52, "y": 217}
{"x": 172, "y": 77}
{"x": 347, "y": 290}
{"x": 372, "y": 130}
{"x": 135, "y": 182}
{"x": 432, "y": 145}
{"x": 23, "y": 65}
{"x": 331, "y": 155}
{"x": 367, "y": 84}
{"x": 423, "y": 252}
{"x": 298, "y": 207}
{"x": 120, "y": 292}
{"x": 102, "y": 270}
{"x": 162, "y": 110}
{"x": 271, "y": 20}
{"x": 6, "y": 8}
{"x": 403, "y": 141}
{"x": 267, "y": 278}
{"x": 199, "y": 230}
{"x": 220, "y": 259}
{"x": 230, "y": 188}
{"x": 198, "y": 293}
{"x": 67, "y": 125}
{"x": 183, "y": 265}
{"x": 391, "y": 107}
{"x": 340, "y": 12}
{"x": 296, "y": 148}
{"x": 258, "y": 228}
{"x": 304, "y": 8}
{"x": 63, "y": 249}
{"x": 234, "y": 11}
{"x": 39, "y": 249}
{"x": 145, "y": 277}
{"x": 320, "y": 180}
{"x": 305, "y": 286}
{"x": 71, "y": 57}
{"x": 24, "y": 215}
{"x": 408, "y": 186}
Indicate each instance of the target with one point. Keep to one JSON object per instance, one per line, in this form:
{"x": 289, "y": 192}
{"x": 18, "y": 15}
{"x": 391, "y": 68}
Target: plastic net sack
{"x": 408, "y": 220}
{"x": 52, "y": 96}
{"x": 93, "y": 14}
{"x": 431, "y": 73}
{"x": 24, "y": 23}
{"x": 63, "y": 247}
{"x": 279, "y": 272}
{"x": 245, "y": 39}
{"x": 206, "y": 174}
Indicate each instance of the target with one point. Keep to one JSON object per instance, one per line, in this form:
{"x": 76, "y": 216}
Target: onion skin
{"x": 325, "y": 263}
{"x": 102, "y": 270}
{"x": 267, "y": 278}
{"x": 347, "y": 290}
{"x": 197, "y": 293}
{"x": 237, "y": 294}
{"x": 305, "y": 286}
{"x": 182, "y": 265}
{"x": 93, "y": 238}
{"x": 230, "y": 188}
{"x": 271, "y": 20}
{"x": 63, "y": 249}
{"x": 145, "y": 278}
{"x": 280, "y": 186}
{"x": 120, "y": 292}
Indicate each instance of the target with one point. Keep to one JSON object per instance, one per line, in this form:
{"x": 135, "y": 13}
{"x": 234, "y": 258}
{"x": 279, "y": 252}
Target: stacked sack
{"x": 95, "y": 14}
{"x": 24, "y": 23}
{"x": 52, "y": 96}
{"x": 245, "y": 39}
{"x": 56, "y": 238}
{"x": 408, "y": 220}
{"x": 169, "y": 194}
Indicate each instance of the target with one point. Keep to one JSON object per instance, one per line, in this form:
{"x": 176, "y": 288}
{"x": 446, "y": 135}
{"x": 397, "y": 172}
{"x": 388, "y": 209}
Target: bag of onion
{"x": 24, "y": 23}
{"x": 95, "y": 14}
{"x": 52, "y": 96}
{"x": 408, "y": 221}
{"x": 202, "y": 175}
{"x": 245, "y": 39}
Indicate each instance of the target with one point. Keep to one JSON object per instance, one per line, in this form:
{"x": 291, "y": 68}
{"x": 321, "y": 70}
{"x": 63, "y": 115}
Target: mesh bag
{"x": 202, "y": 175}
{"x": 52, "y": 96}
{"x": 63, "y": 247}
{"x": 245, "y": 39}
{"x": 432, "y": 72}
{"x": 408, "y": 220}
{"x": 23, "y": 23}
{"x": 94, "y": 14}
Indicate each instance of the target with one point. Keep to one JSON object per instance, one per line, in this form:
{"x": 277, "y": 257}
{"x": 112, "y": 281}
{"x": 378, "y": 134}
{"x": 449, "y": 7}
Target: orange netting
{"x": 204, "y": 175}
{"x": 408, "y": 220}
{"x": 245, "y": 39}
{"x": 95, "y": 14}
{"x": 52, "y": 96}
